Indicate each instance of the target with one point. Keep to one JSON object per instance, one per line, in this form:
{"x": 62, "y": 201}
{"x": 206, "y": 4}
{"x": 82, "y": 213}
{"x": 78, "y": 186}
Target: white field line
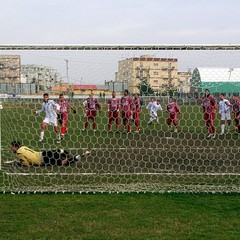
{"x": 124, "y": 174}
{"x": 142, "y": 148}
{"x": 163, "y": 148}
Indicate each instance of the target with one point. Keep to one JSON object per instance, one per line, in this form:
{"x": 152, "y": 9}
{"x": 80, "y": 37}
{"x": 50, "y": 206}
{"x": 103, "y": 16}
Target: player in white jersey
{"x": 148, "y": 107}
{"x": 51, "y": 109}
{"x": 155, "y": 107}
{"x": 225, "y": 113}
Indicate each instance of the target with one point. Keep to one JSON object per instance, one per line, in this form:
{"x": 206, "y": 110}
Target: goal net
{"x": 156, "y": 150}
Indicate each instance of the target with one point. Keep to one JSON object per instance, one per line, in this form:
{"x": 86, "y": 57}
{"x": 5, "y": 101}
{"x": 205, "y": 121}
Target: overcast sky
{"x": 118, "y": 22}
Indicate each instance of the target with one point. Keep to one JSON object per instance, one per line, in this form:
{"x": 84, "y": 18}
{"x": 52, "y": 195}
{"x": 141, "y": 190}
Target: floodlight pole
{"x": 230, "y": 72}
{"x": 67, "y": 70}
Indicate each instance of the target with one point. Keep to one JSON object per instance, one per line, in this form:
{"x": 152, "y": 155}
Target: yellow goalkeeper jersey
{"x": 28, "y": 157}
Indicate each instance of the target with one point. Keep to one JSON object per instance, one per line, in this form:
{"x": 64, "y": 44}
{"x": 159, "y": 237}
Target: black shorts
{"x": 54, "y": 157}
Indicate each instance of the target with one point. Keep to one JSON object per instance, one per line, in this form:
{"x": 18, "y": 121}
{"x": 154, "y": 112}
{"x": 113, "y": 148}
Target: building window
{"x": 155, "y": 81}
{"x": 155, "y": 64}
{"x": 155, "y": 73}
{"x": 141, "y": 64}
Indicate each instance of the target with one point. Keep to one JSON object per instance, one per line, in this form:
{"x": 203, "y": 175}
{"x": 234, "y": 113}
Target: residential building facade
{"x": 10, "y": 69}
{"x": 161, "y": 73}
{"x": 44, "y": 77}
{"x": 184, "y": 82}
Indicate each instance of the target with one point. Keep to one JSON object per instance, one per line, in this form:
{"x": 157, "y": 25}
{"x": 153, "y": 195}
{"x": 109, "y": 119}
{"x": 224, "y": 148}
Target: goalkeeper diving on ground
{"x": 28, "y": 157}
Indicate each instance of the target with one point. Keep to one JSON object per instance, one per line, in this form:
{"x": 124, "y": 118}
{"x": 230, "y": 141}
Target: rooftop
{"x": 216, "y": 74}
{"x": 84, "y": 87}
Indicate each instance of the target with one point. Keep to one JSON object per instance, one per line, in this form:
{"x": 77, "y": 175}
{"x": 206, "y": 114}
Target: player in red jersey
{"x": 236, "y": 112}
{"x": 63, "y": 114}
{"x": 126, "y": 105}
{"x": 136, "y": 112}
{"x": 113, "y": 112}
{"x": 91, "y": 106}
{"x": 209, "y": 106}
{"x": 173, "y": 109}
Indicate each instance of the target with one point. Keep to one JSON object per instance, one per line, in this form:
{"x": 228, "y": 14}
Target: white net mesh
{"x": 155, "y": 159}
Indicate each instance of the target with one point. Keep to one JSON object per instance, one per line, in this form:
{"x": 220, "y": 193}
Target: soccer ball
{"x": 87, "y": 153}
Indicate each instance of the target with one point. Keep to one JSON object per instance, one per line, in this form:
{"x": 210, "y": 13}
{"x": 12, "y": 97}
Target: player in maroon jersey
{"x": 236, "y": 112}
{"x": 136, "y": 112}
{"x": 63, "y": 114}
{"x": 209, "y": 106}
{"x": 126, "y": 109}
{"x": 91, "y": 106}
{"x": 173, "y": 109}
{"x": 113, "y": 112}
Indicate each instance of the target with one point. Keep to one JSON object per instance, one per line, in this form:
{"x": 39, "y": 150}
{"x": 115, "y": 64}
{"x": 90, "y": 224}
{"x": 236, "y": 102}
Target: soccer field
{"x": 154, "y": 160}
{"x": 120, "y": 216}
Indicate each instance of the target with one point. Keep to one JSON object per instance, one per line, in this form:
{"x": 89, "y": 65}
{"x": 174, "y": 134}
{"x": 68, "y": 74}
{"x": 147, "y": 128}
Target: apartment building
{"x": 184, "y": 81}
{"x": 10, "y": 69}
{"x": 162, "y": 73}
{"x": 44, "y": 77}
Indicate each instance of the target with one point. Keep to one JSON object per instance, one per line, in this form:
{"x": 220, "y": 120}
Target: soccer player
{"x": 224, "y": 110}
{"x": 29, "y": 157}
{"x": 51, "y": 109}
{"x": 236, "y": 112}
{"x": 136, "y": 112}
{"x": 148, "y": 107}
{"x": 173, "y": 110}
{"x": 113, "y": 112}
{"x": 63, "y": 115}
{"x": 155, "y": 107}
{"x": 126, "y": 105}
{"x": 209, "y": 106}
{"x": 91, "y": 105}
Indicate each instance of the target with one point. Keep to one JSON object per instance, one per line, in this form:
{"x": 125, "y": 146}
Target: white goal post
{"x": 183, "y": 152}
{"x": 111, "y": 47}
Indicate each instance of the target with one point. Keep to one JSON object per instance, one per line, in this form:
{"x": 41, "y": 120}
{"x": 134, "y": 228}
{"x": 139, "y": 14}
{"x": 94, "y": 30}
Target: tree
{"x": 169, "y": 90}
{"x": 144, "y": 88}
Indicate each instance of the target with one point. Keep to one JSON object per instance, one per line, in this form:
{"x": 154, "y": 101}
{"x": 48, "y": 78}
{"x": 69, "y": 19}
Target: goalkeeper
{"x": 29, "y": 157}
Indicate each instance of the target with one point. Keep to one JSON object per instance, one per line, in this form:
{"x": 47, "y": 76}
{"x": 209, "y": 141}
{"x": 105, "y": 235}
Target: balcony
{"x": 168, "y": 68}
{"x": 142, "y": 68}
{"x": 142, "y": 76}
{"x": 164, "y": 77}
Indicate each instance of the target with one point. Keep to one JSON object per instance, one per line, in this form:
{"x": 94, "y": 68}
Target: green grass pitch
{"x": 155, "y": 160}
{"x": 154, "y": 150}
{"x": 120, "y": 216}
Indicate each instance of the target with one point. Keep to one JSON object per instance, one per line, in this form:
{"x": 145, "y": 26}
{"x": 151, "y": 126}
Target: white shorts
{"x": 153, "y": 115}
{"x": 225, "y": 116}
{"x": 51, "y": 121}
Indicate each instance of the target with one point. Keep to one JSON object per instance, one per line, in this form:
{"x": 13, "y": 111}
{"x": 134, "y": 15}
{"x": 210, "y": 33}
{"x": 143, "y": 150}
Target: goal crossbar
{"x": 119, "y": 46}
